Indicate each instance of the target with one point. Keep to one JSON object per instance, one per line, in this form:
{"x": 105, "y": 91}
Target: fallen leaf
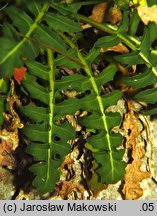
{"x": 121, "y": 48}
{"x": 114, "y": 15}
{"x": 19, "y": 74}
{"x": 66, "y": 188}
{"x": 99, "y": 11}
{"x": 6, "y": 157}
{"x": 98, "y": 14}
{"x": 148, "y": 14}
{"x": 12, "y": 118}
{"x": 134, "y": 173}
{"x": 9, "y": 137}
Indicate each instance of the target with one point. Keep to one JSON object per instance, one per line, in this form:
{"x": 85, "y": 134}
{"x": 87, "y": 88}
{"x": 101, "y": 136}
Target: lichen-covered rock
{"x": 7, "y": 189}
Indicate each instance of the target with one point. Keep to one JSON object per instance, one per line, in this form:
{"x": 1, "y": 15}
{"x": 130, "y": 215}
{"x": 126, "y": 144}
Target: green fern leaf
{"x": 111, "y": 172}
{"x": 34, "y": 7}
{"x": 13, "y": 48}
{"x": 107, "y": 42}
{"x": 140, "y": 80}
{"x": 66, "y": 9}
{"x": 20, "y": 19}
{"x": 129, "y": 59}
{"x": 52, "y": 39}
{"x": 48, "y": 140}
{"x": 148, "y": 96}
{"x": 35, "y": 113}
{"x": 125, "y": 22}
{"x": 98, "y": 118}
{"x": 66, "y": 62}
{"x": 62, "y": 23}
{"x": 134, "y": 23}
{"x": 2, "y": 109}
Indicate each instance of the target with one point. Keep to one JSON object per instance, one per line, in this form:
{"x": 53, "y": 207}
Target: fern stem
{"x": 51, "y": 89}
{"x": 111, "y": 29}
{"x": 51, "y": 104}
{"x": 96, "y": 90}
{"x": 130, "y": 41}
{"x": 30, "y": 31}
{"x": 104, "y": 27}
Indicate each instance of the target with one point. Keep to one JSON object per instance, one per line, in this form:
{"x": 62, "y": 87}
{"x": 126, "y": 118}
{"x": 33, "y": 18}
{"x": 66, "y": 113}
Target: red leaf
{"x": 19, "y": 74}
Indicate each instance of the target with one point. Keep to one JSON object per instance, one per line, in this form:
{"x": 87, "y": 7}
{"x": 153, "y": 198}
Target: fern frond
{"x": 142, "y": 48}
{"x": 15, "y": 49}
{"x": 49, "y": 141}
{"x": 101, "y": 120}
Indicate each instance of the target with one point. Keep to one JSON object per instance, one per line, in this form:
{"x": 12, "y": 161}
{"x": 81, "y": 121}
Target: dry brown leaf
{"x": 121, "y": 48}
{"x": 6, "y": 158}
{"x": 114, "y": 15}
{"x": 9, "y": 136}
{"x": 68, "y": 71}
{"x": 134, "y": 175}
{"x": 148, "y": 14}
{"x": 98, "y": 14}
{"x": 99, "y": 11}
{"x": 67, "y": 162}
{"x": 66, "y": 189}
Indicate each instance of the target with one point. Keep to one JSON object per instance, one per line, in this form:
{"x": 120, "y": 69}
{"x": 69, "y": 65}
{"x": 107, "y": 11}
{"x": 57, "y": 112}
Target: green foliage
{"x": 142, "y": 53}
{"x": 49, "y": 141}
{"x": 3, "y": 92}
{"x": 46, "y": 37}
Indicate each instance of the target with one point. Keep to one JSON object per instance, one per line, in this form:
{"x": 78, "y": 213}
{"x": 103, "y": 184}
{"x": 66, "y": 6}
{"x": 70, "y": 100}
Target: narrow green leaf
{"x": 92, "y": 55}
{"x": 153, "y": 57}
{"x": 112, "y": 171}
{"x": 37, "y": 69}
{"x": 146, "y": 43}
{"x": 66, "y": 9}
{"x": 9, "y": 31}
{"x": 2, "y": 109}
{"x": 29, "y": 50}
{"x": 6, "y": 46}
{"x": 76, "y": 81}
{"x": 69, "y": 106}
{"x": 100, "y": 142}
{"x": 66, "y": 62}
{"x": 49, "y": 38}
{"x": 62, "y": 23}
{"x": 152, "y": 28}
{"x": 38, "y": 151}
{"x": 20, "y": 19}
{"x": 95, "y": 121}
{"x": 8, "y": 66}
{"x": 129, "y": 59}
{"x": 62, "y": 131}
{"x": 106, "y": 75}
{"x": 134, "y": 23}
{"x": 148, "y": 96}
{"x": 36, "y": 91}
{"x": 125, "y": 22}
{"x": 34, "y": 7}
{"x": 107, "y": 42}
{"x": 150, "y": 112}
{"x": 44, "y": 177}
{"x": 35, "y": 113}
{"x": 3, "y": 86}
{"x": 113, "y": 119}
{"x": 36, "y": 132}
{"x": 140, "y": 80}
{"x": 111, "y": 98}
